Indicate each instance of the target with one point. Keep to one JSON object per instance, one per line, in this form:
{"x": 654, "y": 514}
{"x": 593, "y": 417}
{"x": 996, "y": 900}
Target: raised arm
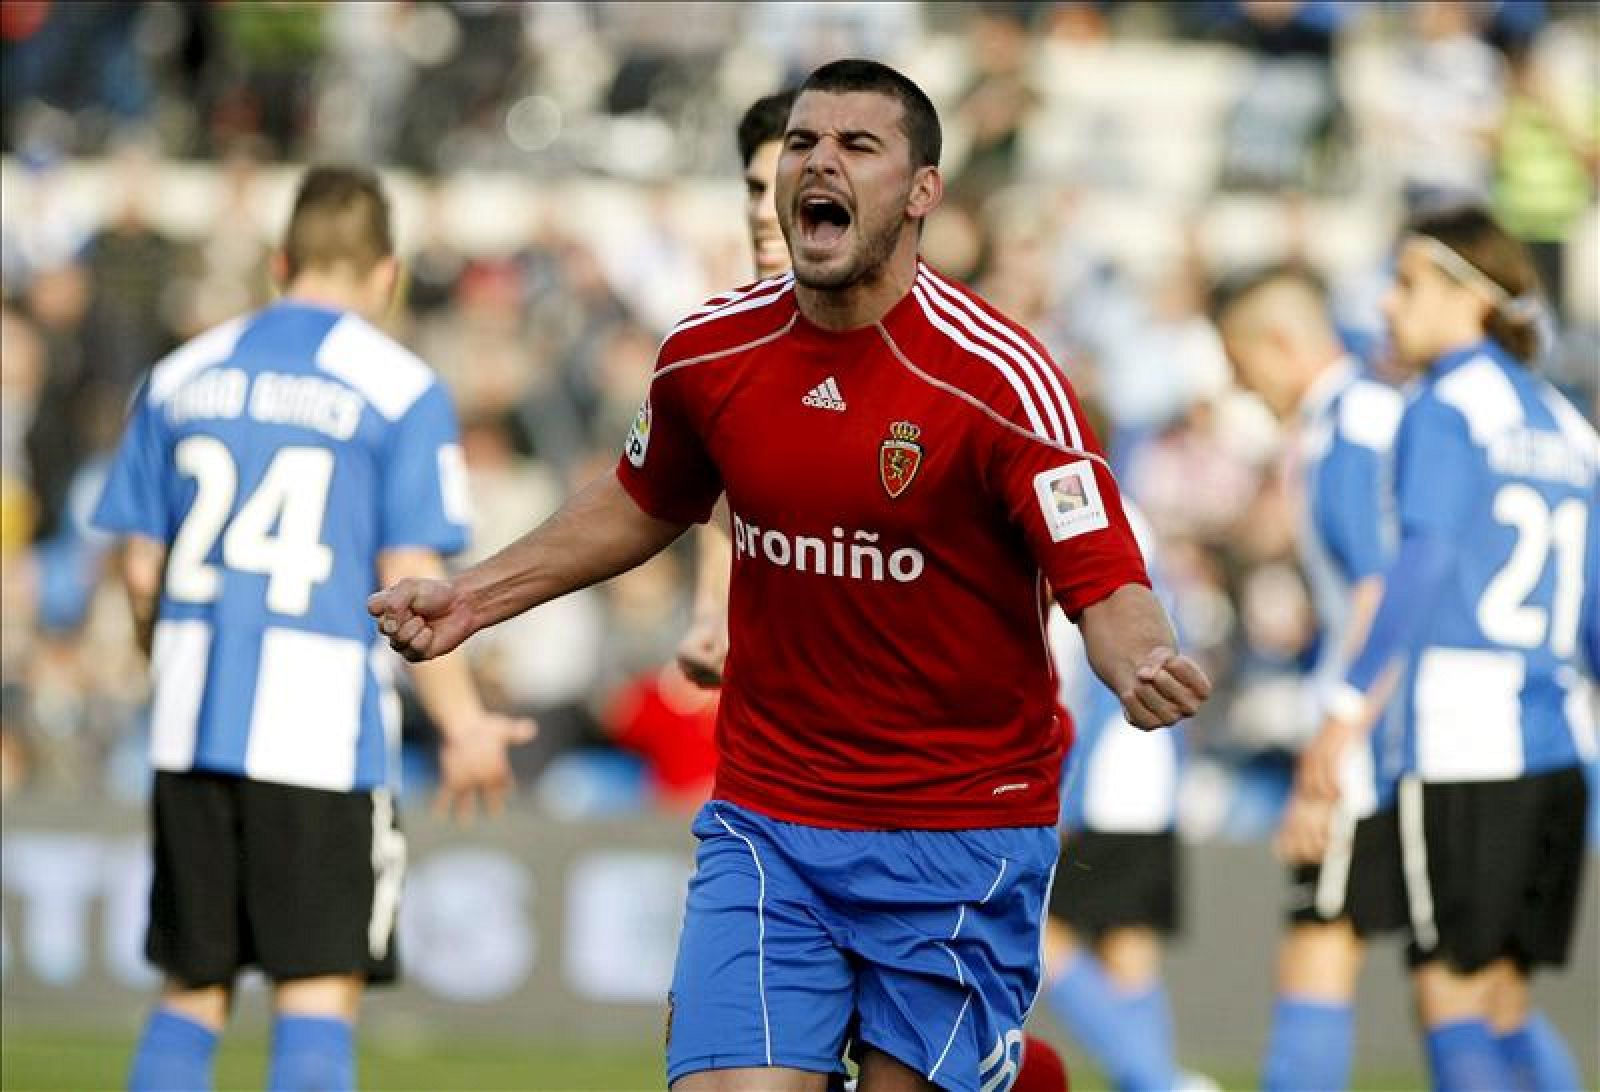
{"x": 472, "y": 750}
{"x": 597, "y": 534}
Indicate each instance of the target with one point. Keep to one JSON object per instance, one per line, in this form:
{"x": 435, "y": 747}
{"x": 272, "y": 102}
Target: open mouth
{"x": 823, "y": 220}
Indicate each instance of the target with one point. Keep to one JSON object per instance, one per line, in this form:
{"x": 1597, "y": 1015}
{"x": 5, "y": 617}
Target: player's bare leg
{"x": 1131, "y": 956}
{"x": 313, "y": 1033}
{"x": 1455, "y": 1009}
{"x": 1445, "y": 996}
{"x": 1320, "y": 962}
{"x": 333, "y": 995}
{"x": 1509, "y": 1000}
{"x": 883, "y": 1073}
{"x": 206, "y": 1005}
{"x": 179, "y": 1039}
{"x": 757, "y": 1079}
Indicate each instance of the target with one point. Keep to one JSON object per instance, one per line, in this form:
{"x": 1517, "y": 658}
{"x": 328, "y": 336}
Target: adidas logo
{"x": 825, "y": 395}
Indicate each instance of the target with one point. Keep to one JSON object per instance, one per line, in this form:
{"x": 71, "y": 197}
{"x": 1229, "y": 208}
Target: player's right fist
{"x": 422, "y": 619}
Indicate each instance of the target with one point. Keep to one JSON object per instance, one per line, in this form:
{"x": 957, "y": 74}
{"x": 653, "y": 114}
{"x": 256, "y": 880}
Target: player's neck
{"x": 864, "y": 302}
{"x": 334, "y": 291}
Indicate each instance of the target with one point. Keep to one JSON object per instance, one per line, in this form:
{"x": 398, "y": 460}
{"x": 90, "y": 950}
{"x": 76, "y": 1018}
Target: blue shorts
{"x": 922, "y": 944}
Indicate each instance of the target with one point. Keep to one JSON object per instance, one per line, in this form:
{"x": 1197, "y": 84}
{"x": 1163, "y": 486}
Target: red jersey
{"x": 901, "y": 496}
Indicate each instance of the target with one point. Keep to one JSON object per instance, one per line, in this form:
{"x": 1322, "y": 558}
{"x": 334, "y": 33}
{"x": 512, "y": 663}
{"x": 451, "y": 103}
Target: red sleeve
{"x": 1070, "y": 511}
{"x": 664, "y": 465}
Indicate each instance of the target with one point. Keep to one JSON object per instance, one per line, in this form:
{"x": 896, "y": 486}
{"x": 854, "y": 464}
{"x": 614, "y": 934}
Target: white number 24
{"x": 1504, "y": 611}
{"x": 276, "y": 532}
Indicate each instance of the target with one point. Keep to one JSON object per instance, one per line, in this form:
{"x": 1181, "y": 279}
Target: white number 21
{"x": 1504, "y": 612}
{"x": 276, "y": 532}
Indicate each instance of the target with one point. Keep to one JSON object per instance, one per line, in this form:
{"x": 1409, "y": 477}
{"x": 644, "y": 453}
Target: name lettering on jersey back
{"x": 853, "y": 556}
{"x": 273, "y": 398}
{"x": 1535, "y": 453}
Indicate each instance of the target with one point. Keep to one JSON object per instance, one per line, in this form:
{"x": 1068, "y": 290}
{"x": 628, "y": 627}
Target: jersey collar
{"x": 1449, "y": 362}
{"x": 807, "y": 331}
{"x": 1326, "y": 387}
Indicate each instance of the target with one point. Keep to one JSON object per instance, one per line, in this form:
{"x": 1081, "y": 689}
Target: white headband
{"x": 1517, "y": 308}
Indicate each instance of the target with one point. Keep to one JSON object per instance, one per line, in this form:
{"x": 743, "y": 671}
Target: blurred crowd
{"x": 567, "y": 184}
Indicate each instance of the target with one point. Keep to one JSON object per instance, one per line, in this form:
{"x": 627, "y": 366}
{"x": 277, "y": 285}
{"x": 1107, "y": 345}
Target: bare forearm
{"x": 596, "y": 535}
{"x": 444, "y": 686}
{"x": 447, "y": 692}
{"x": 1121, "y": 630}
{"x": 143, "y": 564}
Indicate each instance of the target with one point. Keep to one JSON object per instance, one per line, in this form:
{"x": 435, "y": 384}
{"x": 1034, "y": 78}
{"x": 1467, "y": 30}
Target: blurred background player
{"x": 785, "y": 945}
{"x": 704, "y": 648}
{"x": 1339, "y": 425}
{"x": 1485, "y": 621}
{"x": 1116, "y": 896}
{"x": 271, "y": 470}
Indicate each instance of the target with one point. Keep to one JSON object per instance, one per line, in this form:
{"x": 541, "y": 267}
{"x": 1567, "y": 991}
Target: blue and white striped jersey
{"x": 1347, "y": 429}
{"x": 276, "y": 456}
{"x": 1117, "y": 777}
{"x": 1493, "y": 462}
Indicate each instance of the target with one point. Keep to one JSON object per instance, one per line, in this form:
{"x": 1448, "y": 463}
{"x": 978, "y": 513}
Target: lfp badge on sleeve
{"x": 899, "y": 457}
{"x": 639, "y": 436}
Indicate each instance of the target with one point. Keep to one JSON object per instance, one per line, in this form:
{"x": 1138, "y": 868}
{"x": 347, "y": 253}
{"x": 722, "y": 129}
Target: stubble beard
{"x": 870, "y": 257}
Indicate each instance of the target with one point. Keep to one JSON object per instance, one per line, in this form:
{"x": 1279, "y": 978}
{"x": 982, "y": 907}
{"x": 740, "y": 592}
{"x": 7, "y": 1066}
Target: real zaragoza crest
{"x": 899, "y": 457}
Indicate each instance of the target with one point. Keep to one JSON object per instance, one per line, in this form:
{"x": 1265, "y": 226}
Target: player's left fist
{"x": 423, "y": 619}
{"x": 1166, "y": 688}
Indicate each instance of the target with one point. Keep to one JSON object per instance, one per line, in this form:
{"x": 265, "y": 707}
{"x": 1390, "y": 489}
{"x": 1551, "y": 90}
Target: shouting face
{"x": 847, "y": 188}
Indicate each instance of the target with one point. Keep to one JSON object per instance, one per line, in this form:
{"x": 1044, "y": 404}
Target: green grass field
{"x": 81, "y": 1062}
{"x": 32, "y": 1061}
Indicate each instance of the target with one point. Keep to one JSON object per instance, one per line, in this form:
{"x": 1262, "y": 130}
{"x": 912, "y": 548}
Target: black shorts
{"x": 1359, "y": 879}
{"x": 1493, "y": 868}
{"x": 1111, "y": 879}
{"x": 299, "y": 882}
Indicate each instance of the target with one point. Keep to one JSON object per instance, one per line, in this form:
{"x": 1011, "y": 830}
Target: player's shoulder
{"x": 730, "y": 321}
{"x": 962, "y": 343}
{"x": 387, "y": 375}
{"x": 205, "y": 350}
{"x": 1576, "y": 428}
{"x": 1369, "y": 412}
{"x": 1479, "y": 392}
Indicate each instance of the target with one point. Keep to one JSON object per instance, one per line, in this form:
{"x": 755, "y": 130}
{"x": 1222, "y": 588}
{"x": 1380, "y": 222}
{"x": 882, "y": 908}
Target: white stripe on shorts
{"x": 948, "y": 1043}
{"x": 388, "y": 871}
{"x": 761, "y": 933}
{"x": 1333, "y": 877}
{"x": 1414, "y": 861}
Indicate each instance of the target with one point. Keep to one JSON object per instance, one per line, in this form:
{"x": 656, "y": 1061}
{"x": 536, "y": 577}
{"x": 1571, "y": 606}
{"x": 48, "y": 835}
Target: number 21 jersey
{"x": 1493, "y": 462}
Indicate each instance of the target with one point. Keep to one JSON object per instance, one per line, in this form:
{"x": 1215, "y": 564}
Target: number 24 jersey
{"x": 276, "y": 456}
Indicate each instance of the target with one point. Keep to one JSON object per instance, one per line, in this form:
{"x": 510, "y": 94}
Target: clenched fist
{"x": 423, "y": 619}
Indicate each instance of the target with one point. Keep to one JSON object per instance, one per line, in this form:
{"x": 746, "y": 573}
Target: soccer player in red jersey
{"x": 907, "y": 475}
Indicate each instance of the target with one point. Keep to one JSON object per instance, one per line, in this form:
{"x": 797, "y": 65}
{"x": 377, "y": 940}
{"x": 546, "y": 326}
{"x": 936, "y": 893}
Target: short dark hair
{"x": 341, "y": 216}
{"x": 919, "y": 119}
{"x": 1232, "y": 289}
{"x": 764, "y": 122}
